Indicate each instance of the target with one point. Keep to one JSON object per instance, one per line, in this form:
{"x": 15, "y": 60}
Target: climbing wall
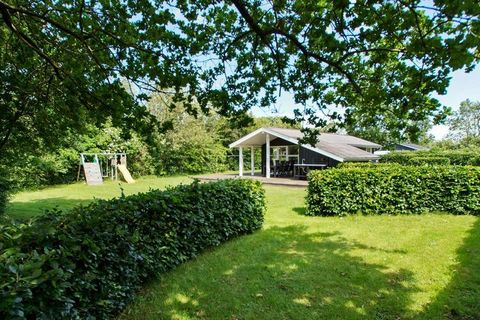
{"x": 93, "y": 175}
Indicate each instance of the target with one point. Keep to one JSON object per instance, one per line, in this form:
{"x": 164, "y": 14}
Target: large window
{"x": 284, "y": 153}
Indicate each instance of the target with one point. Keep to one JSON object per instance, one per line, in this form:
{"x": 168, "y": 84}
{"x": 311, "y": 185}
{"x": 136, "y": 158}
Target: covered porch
{"x": 278, "y": 159}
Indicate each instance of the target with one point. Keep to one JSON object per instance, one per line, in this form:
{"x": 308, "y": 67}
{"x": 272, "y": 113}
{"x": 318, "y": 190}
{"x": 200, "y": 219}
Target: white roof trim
{"x": 286, "y": 138}
{"x": 248, "y": 136}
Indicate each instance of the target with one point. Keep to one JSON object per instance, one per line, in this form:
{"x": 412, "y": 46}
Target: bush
{"x": 4, "y": 193}
{"x": 358, "y": 164}
{"x": 391, "y": 189}
{"x": 89, "y": 262}
{"x": 455, "y": 157}
{"x": 416, "y": 161}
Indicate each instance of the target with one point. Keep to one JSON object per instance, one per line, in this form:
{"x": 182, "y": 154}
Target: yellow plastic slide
{"x": 125, "y": 173}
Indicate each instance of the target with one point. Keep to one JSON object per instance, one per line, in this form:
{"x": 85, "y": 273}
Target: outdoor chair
{"x": 281, "y": 169}
{"x": 277, "y": 169}
{"x": 289, "y": 170}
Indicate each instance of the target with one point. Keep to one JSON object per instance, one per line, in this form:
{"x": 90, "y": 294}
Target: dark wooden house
{"x": 283, "y": 155}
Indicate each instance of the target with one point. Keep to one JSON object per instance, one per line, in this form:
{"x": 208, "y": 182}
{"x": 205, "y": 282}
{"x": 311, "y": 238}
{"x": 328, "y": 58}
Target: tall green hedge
{"x": 454, "y": 157}
{"x": 88, "y": 263}
{"x": 392, "y": 189}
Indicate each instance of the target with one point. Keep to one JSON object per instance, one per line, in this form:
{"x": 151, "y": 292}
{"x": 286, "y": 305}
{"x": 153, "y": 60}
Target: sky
{"x": 463, "y": 86}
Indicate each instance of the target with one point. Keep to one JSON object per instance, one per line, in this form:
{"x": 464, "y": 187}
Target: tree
{"x": 465, "y": 123}
{"x": 192, "y": 143}
{"x": 62, "y": 61}
{"x": 387, "y": 129}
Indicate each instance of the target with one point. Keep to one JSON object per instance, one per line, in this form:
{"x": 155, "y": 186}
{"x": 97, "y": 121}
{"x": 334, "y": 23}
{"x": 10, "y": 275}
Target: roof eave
{"x": 284, "y": 137}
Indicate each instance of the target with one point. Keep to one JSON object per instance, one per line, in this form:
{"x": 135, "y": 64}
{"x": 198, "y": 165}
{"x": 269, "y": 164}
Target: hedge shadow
{"x": 292, "y": 275}
{"x": 460, "y": 299}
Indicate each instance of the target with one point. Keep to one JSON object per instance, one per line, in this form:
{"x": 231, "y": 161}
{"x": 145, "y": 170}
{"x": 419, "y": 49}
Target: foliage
{"x": 465, "y": 123}
{"x": 221, "y": 283}
{"x": 90, "y": 261}
{"x": 185, "y": 150}
{"x": 466, "y": 143}
{"x": 45, "y": 167}
{"x": 387, "y": 130}
{"x": 64, "y": 65}
{"x": 391, "y": 189}
{"x": 359, "y": 164}
{"x": 191, "y": 145}
{"x": 461, "y": 157}
{"x": 5, "y": 189}
{"x": 415, "y": 161}
{"x": 420, "y": 267}
{"x": 27, "y": 204}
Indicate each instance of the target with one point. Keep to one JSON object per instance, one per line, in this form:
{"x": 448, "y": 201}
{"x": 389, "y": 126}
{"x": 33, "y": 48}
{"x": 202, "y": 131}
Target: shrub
{"x": 455, "y": 157}
{"x": 390, "y": 189}
{"x": 358, "y": 164}
{"x": 89, "y": 262}
{"x": 4, "y": 193}
{"x": 415, "y": 161}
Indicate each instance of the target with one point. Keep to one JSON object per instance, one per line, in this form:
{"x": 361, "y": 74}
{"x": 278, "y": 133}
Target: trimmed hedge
{"x": 418, "y": 161}
{"x": 410, "y": 160}
{"x": 359, "y": 164}
{"x": 392, "y": 189}
{"x": 89, "y": 262}
{"x": 454, "y": 157}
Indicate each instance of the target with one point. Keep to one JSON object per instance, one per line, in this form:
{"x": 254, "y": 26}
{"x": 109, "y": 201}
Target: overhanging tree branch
{"x": 27, "y": 40}
{"x": 264, "y": 33}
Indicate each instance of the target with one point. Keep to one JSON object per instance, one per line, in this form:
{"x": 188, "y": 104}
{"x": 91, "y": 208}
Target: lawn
{"x": 31, "y": 203}
{"x": 298, "y": 267}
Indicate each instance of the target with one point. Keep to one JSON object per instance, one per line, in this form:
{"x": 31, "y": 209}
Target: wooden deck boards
{"x": 273, "y": 181}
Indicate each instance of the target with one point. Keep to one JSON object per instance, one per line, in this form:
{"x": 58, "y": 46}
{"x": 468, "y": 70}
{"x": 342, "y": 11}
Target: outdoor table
{"x": 305, "y": 168}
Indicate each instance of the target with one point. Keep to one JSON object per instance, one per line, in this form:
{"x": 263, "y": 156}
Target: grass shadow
{"x": 280, "y": 273}
{"x": 460, "y": 299}
{"x": 300, "y": 210}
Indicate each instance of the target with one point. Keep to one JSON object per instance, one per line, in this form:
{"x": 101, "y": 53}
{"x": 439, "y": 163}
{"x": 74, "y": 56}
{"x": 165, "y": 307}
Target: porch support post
{"x": 286, "y": 153}
{"x": 252, "y": 161}
{"x": 240, "y": 161}
{"x": 267, "y": 156}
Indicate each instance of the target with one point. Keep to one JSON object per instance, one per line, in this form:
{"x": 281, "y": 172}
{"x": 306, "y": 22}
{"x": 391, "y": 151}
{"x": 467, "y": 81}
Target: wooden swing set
{"x": 97, "y": 166}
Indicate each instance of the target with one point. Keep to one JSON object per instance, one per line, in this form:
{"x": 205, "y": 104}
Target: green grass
{"x": 361, "y": 267}
{"x": 298, "y": 267}
{"x": 27, "y": 204}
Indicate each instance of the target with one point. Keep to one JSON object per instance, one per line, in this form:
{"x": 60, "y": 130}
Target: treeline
{"x": 459, "y": 157}
{"x": 181, "y": 144}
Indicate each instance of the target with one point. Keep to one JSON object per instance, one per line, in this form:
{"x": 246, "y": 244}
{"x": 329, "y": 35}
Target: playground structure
{"x": 97, "y": 166}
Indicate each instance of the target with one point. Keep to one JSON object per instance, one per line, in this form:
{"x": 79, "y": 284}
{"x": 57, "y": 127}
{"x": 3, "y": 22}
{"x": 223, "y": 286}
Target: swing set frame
{"x": 108, "y": 162}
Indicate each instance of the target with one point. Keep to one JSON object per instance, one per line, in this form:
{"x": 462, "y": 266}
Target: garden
{"x": 386, "y": 265}
{"x": 158, "y": 92}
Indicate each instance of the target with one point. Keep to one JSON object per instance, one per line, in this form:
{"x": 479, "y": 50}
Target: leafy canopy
{"x": 62, "y": 62}
{"x": 465, "y": 122}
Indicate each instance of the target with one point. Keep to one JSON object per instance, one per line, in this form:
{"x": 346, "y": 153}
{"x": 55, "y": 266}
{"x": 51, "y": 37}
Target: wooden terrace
{"x": 280, "y": 181}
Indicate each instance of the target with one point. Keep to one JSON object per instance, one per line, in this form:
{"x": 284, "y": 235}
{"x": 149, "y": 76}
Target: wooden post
{"x": 240, "y": 161}
{"x": 252, "y": 161}
{"x": 267, "y": 156}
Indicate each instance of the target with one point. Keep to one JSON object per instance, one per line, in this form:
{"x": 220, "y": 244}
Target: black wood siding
{"x": 307, "y": 155}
